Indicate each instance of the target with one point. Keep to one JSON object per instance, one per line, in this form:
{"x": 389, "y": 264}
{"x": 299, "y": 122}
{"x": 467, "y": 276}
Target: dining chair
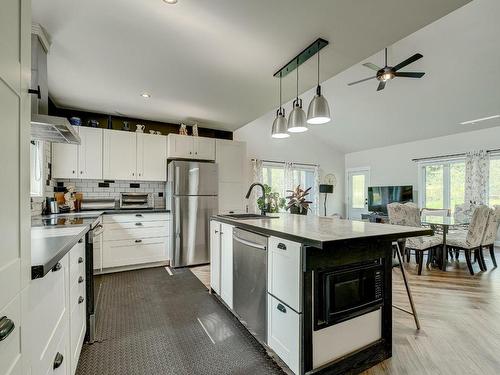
{"x": 409, "y": 214}
{"x": 490, "y": 234}
{"x": 474, "y": 237}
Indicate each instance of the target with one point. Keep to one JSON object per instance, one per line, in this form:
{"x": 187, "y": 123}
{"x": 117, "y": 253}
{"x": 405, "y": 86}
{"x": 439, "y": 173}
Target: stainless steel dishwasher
{"x": 250, "y": 281}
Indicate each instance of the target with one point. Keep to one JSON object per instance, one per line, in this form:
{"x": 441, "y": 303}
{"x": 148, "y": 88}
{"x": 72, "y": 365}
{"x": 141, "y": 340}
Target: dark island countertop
{"x": 320, "y": 231}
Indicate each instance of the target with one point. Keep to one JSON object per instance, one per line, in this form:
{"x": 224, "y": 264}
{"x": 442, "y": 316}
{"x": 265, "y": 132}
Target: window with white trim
{"x": 494, "y": 181}
{"x": 36, "y": 168}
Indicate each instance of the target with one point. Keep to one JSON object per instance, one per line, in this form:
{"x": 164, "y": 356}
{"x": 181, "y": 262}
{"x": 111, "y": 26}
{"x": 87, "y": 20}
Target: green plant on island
{"x": 272, "y": 202}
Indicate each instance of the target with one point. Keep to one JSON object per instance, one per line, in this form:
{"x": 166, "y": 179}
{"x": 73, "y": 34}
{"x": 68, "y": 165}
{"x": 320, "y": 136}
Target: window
{"x": 358, "y": 191}
{"x": 36, "y": 169}
{"x": 443, "y": 184}
{"x": 494, "y": 181}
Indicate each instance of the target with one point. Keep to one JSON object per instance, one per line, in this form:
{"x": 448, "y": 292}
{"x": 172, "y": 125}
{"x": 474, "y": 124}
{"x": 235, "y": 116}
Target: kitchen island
{"x": 317, "y": 291}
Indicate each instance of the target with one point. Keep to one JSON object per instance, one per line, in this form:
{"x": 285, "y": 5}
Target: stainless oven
{"x": 346, "y": 292}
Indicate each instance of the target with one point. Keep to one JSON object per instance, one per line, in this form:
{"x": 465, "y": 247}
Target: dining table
{"x": 444, "y": 222}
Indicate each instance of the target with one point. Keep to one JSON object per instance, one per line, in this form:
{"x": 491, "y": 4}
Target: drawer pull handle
{"x": 281, "y": 246}
{"x": 6, "y": 327}
{"x": 281, "y": 308}
{"x": 80, "y": 280}
{"x": 138, "y": 215}
{"x": 80, "y": 240}
{"x": 138, "y": 241}
{"x": 58, "y": 360}
{"x": 80, "y": 260}
{"x": 216, "y": 231}
{"x": 57, "y": 267}
{"x": 81, "y": 299}
{"x": 138, "y": 224}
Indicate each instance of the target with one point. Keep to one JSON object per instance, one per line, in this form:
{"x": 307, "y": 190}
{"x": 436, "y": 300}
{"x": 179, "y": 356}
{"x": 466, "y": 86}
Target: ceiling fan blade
{"x": 408, "y": 61}
{"x": 409, "y": 75}
{"x": 361, "y": 80}
{"x": 372, "y": 66}
{"x": 381, "y": 85}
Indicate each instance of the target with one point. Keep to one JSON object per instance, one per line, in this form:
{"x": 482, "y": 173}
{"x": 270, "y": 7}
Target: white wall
{"x": 303, "y": 148}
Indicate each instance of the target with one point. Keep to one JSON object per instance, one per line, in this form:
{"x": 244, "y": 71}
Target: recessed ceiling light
{"x": 146, "y": 95}
{"x": 170, "y": 1}
{"x": 471, "y": 122}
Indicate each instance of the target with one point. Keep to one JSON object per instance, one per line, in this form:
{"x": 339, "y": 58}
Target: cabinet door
{"x": 65, "y": 160}
{"x": 180, "y": 146}
{"x": 119, "y": 162}
{"x": 232, "y": 161}
{"x": 90, "y": 153}
{"x": 204, "y": 148}
{"x": 226, "y": 277}
{"x": 151, "y": 157}
{"x": 215, "y": 256}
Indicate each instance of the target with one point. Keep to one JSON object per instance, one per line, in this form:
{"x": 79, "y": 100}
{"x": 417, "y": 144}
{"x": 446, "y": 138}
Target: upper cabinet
{"x": 119, "y": 161}
{"x": 79, "y": 161}
{"x": 151, "y": 157}
{"x": 189, "y": 147}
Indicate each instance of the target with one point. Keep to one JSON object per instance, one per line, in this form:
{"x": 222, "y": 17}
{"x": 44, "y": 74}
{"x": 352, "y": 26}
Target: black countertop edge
{"x": 316, "y": 243}
{"x": 40, "y": 270}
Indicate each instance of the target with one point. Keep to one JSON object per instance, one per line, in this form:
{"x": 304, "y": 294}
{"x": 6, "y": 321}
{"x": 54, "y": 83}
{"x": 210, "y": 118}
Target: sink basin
{"x": 248, "y": 216}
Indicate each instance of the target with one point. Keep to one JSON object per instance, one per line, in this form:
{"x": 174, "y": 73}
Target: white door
{"x": 180, "y": 146}
{"x": 90, "y": 153}
{"x": 65, "y": 160}
{"x": 204, "y": 148}
{"x": 119, "y": 161}
{"x": 215, "y": 256}
{"x": 151, "y": 157}
{"x": 357, "y": 192}
{"x": 15, "y": 267}
{"x": 226, "y": 275}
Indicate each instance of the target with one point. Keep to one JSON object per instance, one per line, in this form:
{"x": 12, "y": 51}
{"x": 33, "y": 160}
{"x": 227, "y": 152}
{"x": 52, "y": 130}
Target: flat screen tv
{"x": 380, "y": 196}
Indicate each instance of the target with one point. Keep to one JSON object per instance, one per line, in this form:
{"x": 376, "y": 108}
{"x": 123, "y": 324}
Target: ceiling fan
{"x": 389, "y": 72}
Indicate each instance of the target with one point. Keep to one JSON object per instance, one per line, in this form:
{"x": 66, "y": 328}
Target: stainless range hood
{"x": 45, "y": 127}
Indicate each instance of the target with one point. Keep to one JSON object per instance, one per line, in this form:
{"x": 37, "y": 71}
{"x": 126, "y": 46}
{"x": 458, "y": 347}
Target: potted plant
{"x": 297, "y": 203}
{"x": 272, "y": 201}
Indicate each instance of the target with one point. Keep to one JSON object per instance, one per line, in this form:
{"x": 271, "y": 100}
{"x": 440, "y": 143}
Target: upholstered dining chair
{"x": 490, "y": 234}
{"x": 445, "y": 212}
{"x": 473, "y": 239}
{"x": 409, "y": 214}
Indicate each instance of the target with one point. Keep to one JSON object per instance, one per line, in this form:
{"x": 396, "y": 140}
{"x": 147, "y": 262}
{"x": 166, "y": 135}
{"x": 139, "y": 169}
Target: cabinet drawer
{"x": 77, "y": 333}
{"x": 283, "y": 332}
{"x": 77, "y": 262}
{"x": 58, "y": 357}
{"x": 135, "y": 230}
{"x": 77, "y": 290}
{"x": 284, "y": 271}
{"x": 127, "y": 218}
{"x": 10, "y": 347}
{"x": 129, "y": 252}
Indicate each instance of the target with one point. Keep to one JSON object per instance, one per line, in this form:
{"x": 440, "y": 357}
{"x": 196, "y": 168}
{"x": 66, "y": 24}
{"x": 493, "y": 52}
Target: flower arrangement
{"x": 297, "y": 203}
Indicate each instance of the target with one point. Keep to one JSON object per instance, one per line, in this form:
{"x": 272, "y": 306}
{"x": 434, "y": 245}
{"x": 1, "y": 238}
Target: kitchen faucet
{"x": 264, "y": 209}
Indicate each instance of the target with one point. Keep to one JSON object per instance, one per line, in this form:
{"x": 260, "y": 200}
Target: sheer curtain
{"x": 476, "y": 177}
{"x": 256, "y": 177}
{"x": 289, "y": 182}
{"x": 316, "y": 191}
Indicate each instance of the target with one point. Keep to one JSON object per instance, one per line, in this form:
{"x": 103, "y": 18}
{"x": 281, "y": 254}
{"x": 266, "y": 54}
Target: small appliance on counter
{"x": 98, "y": 204}
{"x": 136, "y": 201}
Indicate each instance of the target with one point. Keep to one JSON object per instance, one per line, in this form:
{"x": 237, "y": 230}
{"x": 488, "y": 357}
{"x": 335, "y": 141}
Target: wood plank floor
{"x": 459, "y": 315}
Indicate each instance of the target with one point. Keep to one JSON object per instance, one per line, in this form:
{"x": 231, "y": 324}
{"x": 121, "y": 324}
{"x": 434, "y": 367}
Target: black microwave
{"x": 345, "y": 293}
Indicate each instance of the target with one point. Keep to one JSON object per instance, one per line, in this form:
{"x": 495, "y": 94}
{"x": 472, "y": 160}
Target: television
{"x": 380, "y": 196}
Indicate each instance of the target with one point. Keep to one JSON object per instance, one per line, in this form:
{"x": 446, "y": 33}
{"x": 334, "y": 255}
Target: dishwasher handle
{"x": 248, "y": 243}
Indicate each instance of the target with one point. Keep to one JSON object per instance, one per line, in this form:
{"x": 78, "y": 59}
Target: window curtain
{"x": 316, "y": 191}
{"x": 476, "y": 177}
{"x": 288, "y": 178}
{"x": 256, "y": 177}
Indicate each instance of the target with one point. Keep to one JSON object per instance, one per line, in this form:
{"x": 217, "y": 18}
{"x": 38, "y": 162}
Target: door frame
{"x": 366, "y": 169}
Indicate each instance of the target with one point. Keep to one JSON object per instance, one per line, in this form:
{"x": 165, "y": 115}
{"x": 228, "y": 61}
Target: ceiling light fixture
{"x": 146, "y": 95}
{"x": 280, "y": 125}
{"x": 297, "y": 119}
{"x": 319, "y": 111}
{"x": 170, "y": 1}
{"x": 471, "y": 122}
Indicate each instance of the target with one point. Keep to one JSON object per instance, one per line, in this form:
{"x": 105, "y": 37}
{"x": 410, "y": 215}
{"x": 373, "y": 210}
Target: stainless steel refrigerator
{"x": 192, "y": 188}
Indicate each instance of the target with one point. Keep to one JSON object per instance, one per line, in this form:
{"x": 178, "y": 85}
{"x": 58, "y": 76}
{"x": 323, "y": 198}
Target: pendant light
{"x": 319, "y": 111}
{"x": 280, "y": 125}
{"x": 297, "y": 119}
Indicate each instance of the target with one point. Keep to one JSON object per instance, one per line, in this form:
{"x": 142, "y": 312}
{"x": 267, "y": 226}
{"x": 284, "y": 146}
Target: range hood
{"x": 45, "y": 127}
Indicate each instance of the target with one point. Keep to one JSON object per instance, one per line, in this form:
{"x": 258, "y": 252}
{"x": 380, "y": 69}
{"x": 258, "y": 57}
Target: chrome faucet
{"x": 264, "y": 209}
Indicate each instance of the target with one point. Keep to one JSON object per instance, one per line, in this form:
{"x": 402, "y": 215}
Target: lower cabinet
{"x": 215, "y": 256}
{"x": 221, "y": 260}
{"x": 283, "y": 332}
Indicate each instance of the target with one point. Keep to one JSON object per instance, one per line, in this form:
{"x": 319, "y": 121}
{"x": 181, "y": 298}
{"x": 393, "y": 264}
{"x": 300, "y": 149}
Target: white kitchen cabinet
{"x": 283, "y": 332}
{"x": 65, "y": 160}
{"x": 119, "y": 158}
{"x": 231, "y": 157}
{"x": 151, "y": 157}
{"x": 189, "y": 147}
{"x": 226, "y": 269}
{"x": 215, "y": 253}
{"x": 90, "y": 153}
